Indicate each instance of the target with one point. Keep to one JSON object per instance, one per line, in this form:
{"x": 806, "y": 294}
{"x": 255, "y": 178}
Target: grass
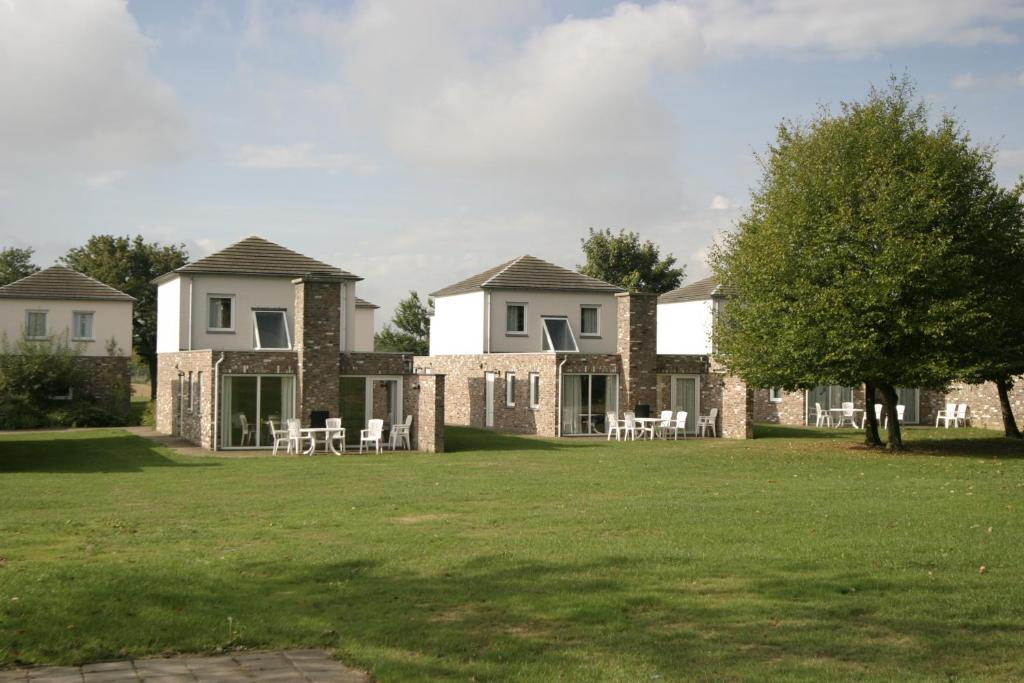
{"x": 796, "y": 556}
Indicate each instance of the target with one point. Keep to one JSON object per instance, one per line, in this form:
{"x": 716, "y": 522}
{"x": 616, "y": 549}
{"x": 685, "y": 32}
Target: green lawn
{"x": 796, "y": 556}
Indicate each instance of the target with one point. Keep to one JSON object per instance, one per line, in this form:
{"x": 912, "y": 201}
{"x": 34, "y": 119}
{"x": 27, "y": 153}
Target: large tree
{"x": 15, "y": 264}
{"x": 409, "y": 328}
{"x": 130, "y": 264}
{"x": 857, "y": 258}
{"x": 623, "y": 260}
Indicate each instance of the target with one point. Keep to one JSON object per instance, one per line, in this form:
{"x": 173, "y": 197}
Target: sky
{"x": 416, "y": 143}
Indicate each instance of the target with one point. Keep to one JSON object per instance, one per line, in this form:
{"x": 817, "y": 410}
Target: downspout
{"x": 216, "y": 405}
{"x": 558, "y": 399}
{"x": 181, "y": 403}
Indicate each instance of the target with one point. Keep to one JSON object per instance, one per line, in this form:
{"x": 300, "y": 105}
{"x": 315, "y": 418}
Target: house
{"x": 257, "y": 333}
{"x": 686, "y": 316}
{"x": 530, "y": 347}
{"x": 58, "y": 304}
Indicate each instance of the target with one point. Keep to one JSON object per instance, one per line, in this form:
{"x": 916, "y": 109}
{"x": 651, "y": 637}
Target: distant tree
{"x": 15, "y": 264}
{"x": 623, "y": 260}
{"x": 130, "y": 264}
{"x": 409, "y": 328}
{"x": 858, "y": 259}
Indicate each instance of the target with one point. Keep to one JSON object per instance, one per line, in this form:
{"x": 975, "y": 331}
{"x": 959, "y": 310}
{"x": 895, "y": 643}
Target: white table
{"x": 312, "y": 432}
{"x": 648, "y": 424}
{"x": 855, "y": 411}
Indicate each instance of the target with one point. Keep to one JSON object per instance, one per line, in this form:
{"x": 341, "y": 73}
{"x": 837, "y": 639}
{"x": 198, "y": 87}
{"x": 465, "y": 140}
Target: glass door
{"x": 685, "y": 395}
{"x": 249, "y": 403}
{"x": 910, "y": 398}
{"x": 361, "y": 399}
{"x": 585, "y": 401}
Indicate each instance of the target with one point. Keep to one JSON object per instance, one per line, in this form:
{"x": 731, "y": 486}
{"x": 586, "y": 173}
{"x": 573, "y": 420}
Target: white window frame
{"x": 256, "y": 344}
{"x": 547, "y": 337}
{"x": 510, "y": 390}
{"x": 526, "y": 324}
{"x": 534, "y": 390}
{"x": 775, "y": 394}
{"x": 46, "y": 323}
{"x": 673, "y": 397}
{"x": 74, "y": 325}
{"x": 197, "y": 398}
{"x": 220, "y": 330}
{"x": 188, "y": 393}
{"x": 597, "y": 310}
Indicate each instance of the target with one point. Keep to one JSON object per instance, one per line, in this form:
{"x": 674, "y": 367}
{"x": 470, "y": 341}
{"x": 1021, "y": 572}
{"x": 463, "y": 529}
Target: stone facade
{"x": 737, "y": 415}
{"x": 789, "y": 409}
{"x": 108, "y": 381}
{"x": 428, "y": 427}
{"x": 317, "y": 327}
{"x": 983, "y": 403}
{"x": 637, "y": 346}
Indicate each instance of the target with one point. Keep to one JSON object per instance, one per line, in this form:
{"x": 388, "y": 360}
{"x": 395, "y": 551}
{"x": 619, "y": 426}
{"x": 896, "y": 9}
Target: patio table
{"x": 328, "y": 443}
{"x": 648, "y": 423}
{"x": 855, "y": 411}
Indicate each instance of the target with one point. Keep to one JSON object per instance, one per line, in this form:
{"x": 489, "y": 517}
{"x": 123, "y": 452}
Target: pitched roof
{"x": 695, "y": 291}
{"x": 363, "y": 303}
{"x": 529, "y": 272}
{"x": 59, "y": 282}
{"x": 257, "y": 256}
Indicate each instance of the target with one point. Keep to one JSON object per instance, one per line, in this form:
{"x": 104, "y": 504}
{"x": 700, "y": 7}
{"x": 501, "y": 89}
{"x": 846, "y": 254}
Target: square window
{"x": 271, "y": 330}
{"x": 81, "y": 326}
{"x": 775, "y": 394}
{"x": 35, "y": 325}
{"x": 558, "y": 335}
{"x": 221, "y": 313}
{"x": 510, "y": 390}
{"x": 590, "y": 321}
{"x": 534, "y": 390}
{"x": 515, "y": 318}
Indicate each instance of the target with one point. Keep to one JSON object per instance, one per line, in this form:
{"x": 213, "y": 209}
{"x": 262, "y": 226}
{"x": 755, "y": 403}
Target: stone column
{"x": 428, "y": 430}
{"x": 737, "y": 409}
{"x": 637, "y": 342}
{"x": 317, "y": 343}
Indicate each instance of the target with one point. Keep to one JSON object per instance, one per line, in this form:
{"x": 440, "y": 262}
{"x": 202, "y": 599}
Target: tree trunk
{"x": 893, "y": 424}
{"x": 1003, "y": 385}
{"x": 152, "y": 377}
{"x": 871, "y": 439}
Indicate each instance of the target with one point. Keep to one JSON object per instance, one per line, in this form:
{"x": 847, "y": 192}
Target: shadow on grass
{"x": 770, "y": 431}
{"x": 493, "y": 617}
{"x": 114, "y": 453}
{"x": 462, "y": 439}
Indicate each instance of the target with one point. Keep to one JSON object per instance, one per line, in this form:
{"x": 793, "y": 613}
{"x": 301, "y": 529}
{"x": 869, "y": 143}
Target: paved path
{"x": 309, "y": 666}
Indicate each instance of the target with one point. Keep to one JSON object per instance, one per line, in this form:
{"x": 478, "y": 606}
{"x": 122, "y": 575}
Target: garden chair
{"x": 612, "y": 420}
{"x": 629, "y": 425}
{"x": 900, "y": 409}
{"x": 680, "y": 424}
{"x": 823, "y": 417}
{"x": 705, "y": 422}
{"x": 961, "y": 415}
{"x": 296, "y": 437}
{"x": 279, "y": 436}
{"x": 400, "y": 434}
{"x": 248, "y": 430}
{"x": 665, "y": 425}
{"x": 371, "y": 435}
{"x": 946, "y": 416}
{"x": 847, "y": 415}
{"x": 878, "y": 413}
{"x": 335, "y": 432}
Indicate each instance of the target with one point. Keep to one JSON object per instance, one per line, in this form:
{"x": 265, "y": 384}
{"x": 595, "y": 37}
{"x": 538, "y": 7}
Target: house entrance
{"x": 586, "y": 399}
{"x": 249, "y": 403}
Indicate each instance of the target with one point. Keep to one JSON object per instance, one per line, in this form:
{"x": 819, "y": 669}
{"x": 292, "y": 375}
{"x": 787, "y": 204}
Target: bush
{"x": 82, "y": 414}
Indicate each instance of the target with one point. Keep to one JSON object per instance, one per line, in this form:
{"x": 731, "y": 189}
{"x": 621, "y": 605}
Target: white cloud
{"x": 720, "y": 203}
{"x": 964, "y": 81}
{"x": 302, "y": 155}
{"x": 102, "y": 180}
{"x": 969, "y": 81}
{"x": 75, "y": 86}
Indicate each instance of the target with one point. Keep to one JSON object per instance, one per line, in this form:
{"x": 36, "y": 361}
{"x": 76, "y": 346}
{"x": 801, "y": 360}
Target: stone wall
{"x": 108, "y": 381}
{"x": 428, "y": 425}
{"x": 193, "y": 419}
{"x": 637, "y": 346}
{"x": 983, "y": 403}
{"x": 317, "y": 328}
{"x": 737, "y": 416}
{"x": 790, "y": 410}
{"x": 375, "y": 363}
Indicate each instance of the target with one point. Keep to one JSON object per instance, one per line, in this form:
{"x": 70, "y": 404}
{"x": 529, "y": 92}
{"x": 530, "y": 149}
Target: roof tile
{"x": 528, "y": 272}
{"x": 60, "y": 282}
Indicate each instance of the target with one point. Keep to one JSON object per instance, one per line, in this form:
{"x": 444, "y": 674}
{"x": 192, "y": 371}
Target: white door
{"x": 685, "y": 395}
{"x": 489, "y": 399}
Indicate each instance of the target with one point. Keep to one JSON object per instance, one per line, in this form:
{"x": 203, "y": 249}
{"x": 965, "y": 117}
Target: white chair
{"x": 705, "y": 422}
{"x": 847, "y": 415}
{"x": 961, "y": 415}
{"x": 400, "y": 434}
{"x": 612, "y": 421}
{"x": 335, "y": 432}
{"x": 664, "y": 425}
{"x": 878, "y": 413}
{"x": 679, "y": 425}
{"x": 823, "y": 416}
{"x": 900, "y": 409}
{"x": 371, "y": 435}
{"x": 280, "y": 436}
{"x": 629, "y": 425}
{"x": 248, "y": 430}
{"x": 946, "y": 416}
{"x": 296, "y": 437}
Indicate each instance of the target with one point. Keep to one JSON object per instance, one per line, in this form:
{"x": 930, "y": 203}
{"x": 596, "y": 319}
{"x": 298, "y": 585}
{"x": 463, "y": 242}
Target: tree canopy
{"x": 409, "y": 328}
{"x": 15, "y": 264}
{"x": 130, "y": 264}
{"x": 623, "y": 260}
{"x": 862, "y": 257}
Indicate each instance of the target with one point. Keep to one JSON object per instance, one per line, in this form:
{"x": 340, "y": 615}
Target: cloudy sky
{"x": 415, "y": 143}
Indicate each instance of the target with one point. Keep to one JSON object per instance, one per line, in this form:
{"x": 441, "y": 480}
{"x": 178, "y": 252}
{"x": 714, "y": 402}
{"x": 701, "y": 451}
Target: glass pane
{"x": 559, "y": 334}
{"x": 241, "y": 395}
{"x": 352, "y": 407}
{"x": 36, "y": 324}
{"x": 573, "y": 404}
{"x": 588, "y": 321}
{"x": 220, "y": 313}
{"x": 686, "y": 399}
{"x": 271, "y": 403}
{"x": 515, "y": 319}
{"x": 271, "y": 330}
{"x": 598, "y": 403}
{"x": 908, "y": 397}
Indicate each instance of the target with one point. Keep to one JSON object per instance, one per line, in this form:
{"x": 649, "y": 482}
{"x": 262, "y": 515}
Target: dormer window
{"x": 515, "y": 319}
{"x": 558, "y": 335}
{"x": 271, "y": 330}
{"x": 221, "y": 309}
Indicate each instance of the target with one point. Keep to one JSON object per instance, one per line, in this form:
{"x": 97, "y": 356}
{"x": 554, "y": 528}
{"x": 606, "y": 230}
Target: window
{"x": 35, "y": 324}
{"x": 590, "y": 321}
{"x": 64, "y": 393}
{"x": 558, "y": 335}
{"x": 197, "y": 397}
{"x": 534, "y": 391}
{"x": 221, "y": 313}
{"x": 188, "y": 393}
{"x": 515, "y": 318}
{"x": 775, "y": 394}
{"x": 510, "y": 390}
{"x": 81, "y": 326}
{"x": 271, "y": 328}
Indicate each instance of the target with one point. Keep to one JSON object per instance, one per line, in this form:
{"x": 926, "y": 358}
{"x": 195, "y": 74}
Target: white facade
{"x": 110, "y": 320}
{"x": 364, "y": 329}
{"x": 457, "y": 326}
{"x": 685, "y": 327}
{"x": 184, "y": 305}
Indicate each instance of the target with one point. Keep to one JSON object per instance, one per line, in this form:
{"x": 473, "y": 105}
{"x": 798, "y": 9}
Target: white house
{"x": 686, "y": 317}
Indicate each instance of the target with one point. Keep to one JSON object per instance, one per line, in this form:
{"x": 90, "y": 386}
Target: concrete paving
{"x": 308, "y": 666}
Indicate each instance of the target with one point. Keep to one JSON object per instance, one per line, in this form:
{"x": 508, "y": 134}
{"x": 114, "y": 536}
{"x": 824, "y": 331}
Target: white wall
{"x": 457, "y": 326}
{"x": 685, "y": 327}
{"x": 554, "y": 304}
{"x": 170, "y": 325}
{"x": 111, "y": 319}
{"x": 364, "y": 329}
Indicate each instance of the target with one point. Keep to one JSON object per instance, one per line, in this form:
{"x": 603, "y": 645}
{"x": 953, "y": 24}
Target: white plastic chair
{"x": 961, "y": 415}
{"x": 335, "y": 432}
{"x": 705, "y": 422}
{"x": 629, "y": 425}
{"x": 823, "y": 416}
{"x": 847, "y": 415}
{"x": 248, "y": 430}
{"x": 612, "y": 422}
{"x": 280, "y": 436}
{"x": 296, "y": 437}
{"x": 400, "y": 434}
{"x": 371, "y": 435}
{"x": 946, "y": 416}
{"x": 664, "y": 425}
{"x": 878, "y": 413}
{"x": 900, "y": 409}
{"x": 679, "y": 425}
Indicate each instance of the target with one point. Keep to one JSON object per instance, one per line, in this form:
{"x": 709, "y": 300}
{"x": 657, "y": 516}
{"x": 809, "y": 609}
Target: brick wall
{"x": 737, "y": 416}
{"x": 637, "y": 346}
{"x": 193, "y": 420}
{"x": 790, "y": 410}
{"x": 108, "y": 380}
{"x": 983, "y": 403}
{"x": 317, "y": 328}
{"x": 428, "y": 425}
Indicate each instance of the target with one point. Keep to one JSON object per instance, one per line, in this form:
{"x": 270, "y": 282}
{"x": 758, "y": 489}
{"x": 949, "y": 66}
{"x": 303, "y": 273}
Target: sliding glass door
{"x": 361, "y": 399}
{"x": 586, "y": 400}
{"x": 249, "y": 403}
{"x": 685, "y": 395}
{"x": 829, "y": 397}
